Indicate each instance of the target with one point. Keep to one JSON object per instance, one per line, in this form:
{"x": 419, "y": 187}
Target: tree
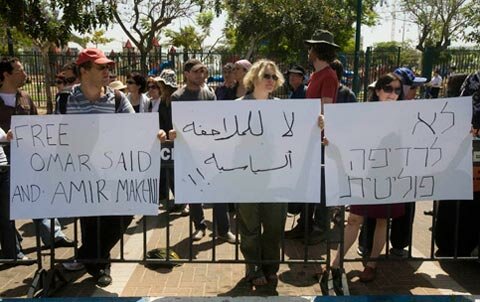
{"x": 98, "y": 37}
{"x": 50, "y": 23}
{"x": 188, "y": 37}
{"x": 277, "y": 28}
{"x": 143, "y": 20}
{"x": 441, "y": 22}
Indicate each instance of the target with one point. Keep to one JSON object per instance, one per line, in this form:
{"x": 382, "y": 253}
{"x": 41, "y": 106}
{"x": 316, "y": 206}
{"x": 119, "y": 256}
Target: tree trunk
{"x": 47, "y": 78}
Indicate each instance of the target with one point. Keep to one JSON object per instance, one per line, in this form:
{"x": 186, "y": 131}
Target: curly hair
{"x": 258, "y": 70}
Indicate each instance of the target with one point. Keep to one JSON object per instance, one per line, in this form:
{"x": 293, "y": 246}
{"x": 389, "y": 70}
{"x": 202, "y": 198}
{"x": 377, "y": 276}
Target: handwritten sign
{"x": 84, "y": 165}
{"x": 247, "y": 151}
{"x": 391, "y": 152}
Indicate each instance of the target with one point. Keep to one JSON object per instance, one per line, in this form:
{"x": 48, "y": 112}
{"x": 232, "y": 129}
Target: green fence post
{"x": 427, "y": 62}
{"x": 366, "y": 76}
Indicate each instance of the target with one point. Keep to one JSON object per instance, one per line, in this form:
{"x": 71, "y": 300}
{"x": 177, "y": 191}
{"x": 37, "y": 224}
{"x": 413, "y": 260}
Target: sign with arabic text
{"x": 247, "y": 151}
{"x": 392, "y": 152}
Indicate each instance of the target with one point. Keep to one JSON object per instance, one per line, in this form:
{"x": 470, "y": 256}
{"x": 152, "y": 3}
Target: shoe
{"x": 368, "y": 274}
{"x": 64, "y": 242}
{"x": 401, "y": 253}
{"x": 228, "y": 237}
{"x": 298, "y": 232}
{"x": 104, "y": 279}
{"x": 73, "y": 266}
{"x": 198, "y": 234}
{"x": 362, "y": 251}
{"x": 185, "y": 211}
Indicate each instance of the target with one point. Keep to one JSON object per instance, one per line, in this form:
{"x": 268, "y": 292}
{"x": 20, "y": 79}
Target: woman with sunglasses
{"x": 137, "y": 86}
{"x": 387, "y": 88}
{"x": 261, "y": 225}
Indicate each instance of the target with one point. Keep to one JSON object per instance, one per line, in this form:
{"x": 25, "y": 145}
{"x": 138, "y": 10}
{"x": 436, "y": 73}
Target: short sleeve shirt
{"x": 323, "y": 84}
{"x": 183, "y": 94}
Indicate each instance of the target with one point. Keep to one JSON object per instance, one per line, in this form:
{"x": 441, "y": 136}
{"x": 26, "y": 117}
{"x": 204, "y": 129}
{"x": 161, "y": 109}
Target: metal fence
{"x": 373, "y": 63}
{"x": 454, "y": 235}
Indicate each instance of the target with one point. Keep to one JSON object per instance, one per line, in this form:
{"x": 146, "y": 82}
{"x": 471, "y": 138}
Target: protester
{"x": 296, "y": 78}
{"x": 195, "y": 90}
{"x": 70, "y": 72}
{"x": 225, "y": 91}
{"x": 160, "y": 90}
{"x": 387, "y": 88}
{"x": 261, "y": 224}
{"x": 99, "y": 234}
{"x": 239, "y": 71}
{"x": 435, "y": 84}
{"x": 13, "y": 101}
{"x": 137, "y": 86}
{"x": 323, "y": 85}
{"x": 344, "y": 94}
{"x": 60, "y": 82}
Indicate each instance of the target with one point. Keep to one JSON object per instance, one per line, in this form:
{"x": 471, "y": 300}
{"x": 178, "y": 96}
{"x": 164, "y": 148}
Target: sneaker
{"x": 363, "y": 252}
{"x": 198, "y": 234}
{"x": 104, "y": 279}
{"x": 73, "y": 266}
{"x": 402, "y": 253}
{"x": 228, "y": 237}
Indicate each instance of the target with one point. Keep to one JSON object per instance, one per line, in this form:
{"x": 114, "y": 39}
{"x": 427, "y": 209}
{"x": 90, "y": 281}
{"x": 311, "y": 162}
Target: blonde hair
{"x": 258, "y": 70}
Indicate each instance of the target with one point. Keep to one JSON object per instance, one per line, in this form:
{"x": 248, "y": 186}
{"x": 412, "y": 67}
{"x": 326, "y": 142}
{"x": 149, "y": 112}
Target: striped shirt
{"x": 79, "y": 104}
{"x": 3, "y": 157}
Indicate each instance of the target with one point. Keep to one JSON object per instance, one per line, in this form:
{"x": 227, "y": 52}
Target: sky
{"x": 386, "y": 30}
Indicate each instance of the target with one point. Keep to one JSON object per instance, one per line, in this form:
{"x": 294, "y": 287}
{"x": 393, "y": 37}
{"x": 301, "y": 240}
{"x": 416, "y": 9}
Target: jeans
{"x": 220, "y": 214}
{"x": 44, "y": 229}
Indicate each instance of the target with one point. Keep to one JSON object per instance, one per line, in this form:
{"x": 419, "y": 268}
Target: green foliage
{"x": 188, "y": 37}
{"x": 388, "y": 52}
{"x": 54, "y": 20}
{"x": 441, "y": 22}
{"x": 98, "y": 37}
{"x": 277, "y": 28}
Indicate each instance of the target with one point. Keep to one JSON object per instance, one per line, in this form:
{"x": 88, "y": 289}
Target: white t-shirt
{"x": 8, "y": 98}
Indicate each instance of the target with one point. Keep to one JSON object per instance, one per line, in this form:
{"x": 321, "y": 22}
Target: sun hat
{"x": 168, "y": 77}
{"x": 321, "y": 36}
{"x": 118, "y": 85}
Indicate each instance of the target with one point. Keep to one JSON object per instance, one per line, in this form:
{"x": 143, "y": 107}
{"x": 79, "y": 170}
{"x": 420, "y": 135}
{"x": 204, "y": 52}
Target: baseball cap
{"x": 408, "y": 77}
{"x": 193, "y": 64}
{"x": 94, "y": 55}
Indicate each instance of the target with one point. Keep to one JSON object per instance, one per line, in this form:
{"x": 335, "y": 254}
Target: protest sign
{"x": 84, "y": 165}
{"x": 247, "y": 151}
{"x": 391, "y": 152}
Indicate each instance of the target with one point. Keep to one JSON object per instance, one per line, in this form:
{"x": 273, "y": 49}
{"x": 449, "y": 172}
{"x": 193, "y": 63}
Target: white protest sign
{"x": 84, "y": 165}
{"x": 247, "y": 151}
{"x": 391, "y": 152}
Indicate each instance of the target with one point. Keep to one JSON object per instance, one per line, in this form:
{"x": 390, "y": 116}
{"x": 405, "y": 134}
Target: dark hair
{"x": 6, "y": 65}
{"x": 190, "y": 63}
{"x": 384, "y": 81}
{"x": 338, "y": 67}
{"x": 140, "y": 81}
{"x": 324, "y": 52}
{"x": 71, "y": 66}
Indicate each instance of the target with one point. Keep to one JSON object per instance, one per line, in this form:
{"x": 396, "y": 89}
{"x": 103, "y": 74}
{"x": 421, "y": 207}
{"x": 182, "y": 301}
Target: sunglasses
{"x": 152, "y": 87}
{"x": 131, "y": 82}
{"x": 390, "y": 89}
{"x": 70, "y": 80}
{"x": 59, "y": 82}
{"x": 270, "y": 77}
{"x": 101, "y": 67}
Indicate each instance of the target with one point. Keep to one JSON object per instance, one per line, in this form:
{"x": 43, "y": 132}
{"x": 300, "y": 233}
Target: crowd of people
{"x": 88, "y": 87}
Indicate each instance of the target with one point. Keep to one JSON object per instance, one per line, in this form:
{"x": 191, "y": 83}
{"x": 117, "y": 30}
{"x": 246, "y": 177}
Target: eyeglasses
{"x": 152, "y": 87}
{"x": 59, "y": 82}
{"x": 390, "y": 89}
{"x": 268, "y": 76}
{"x": 70, "y": 80}
{"x": 131, "y": 82}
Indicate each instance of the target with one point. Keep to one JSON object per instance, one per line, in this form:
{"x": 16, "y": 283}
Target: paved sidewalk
{"x": 213, "y": 279}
